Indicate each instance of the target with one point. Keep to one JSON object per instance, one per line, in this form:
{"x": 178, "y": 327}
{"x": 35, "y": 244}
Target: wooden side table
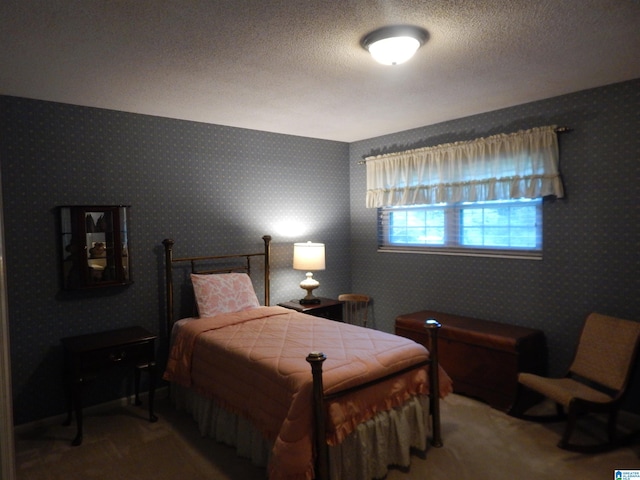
{"x": 327, "y": 308}
{"x": 86, "y": 355}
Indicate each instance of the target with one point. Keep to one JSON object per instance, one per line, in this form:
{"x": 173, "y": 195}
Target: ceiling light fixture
{"x": 394, "y": 45}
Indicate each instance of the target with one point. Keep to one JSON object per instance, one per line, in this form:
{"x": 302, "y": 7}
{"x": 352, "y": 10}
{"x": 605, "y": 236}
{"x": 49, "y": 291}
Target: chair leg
{"x": 525, "y": 399}
{"x": 560, "y": 410}
{"x": 572, "y": 418}
{"x": 612, "y": 425}
{"x": 573, "y": 415}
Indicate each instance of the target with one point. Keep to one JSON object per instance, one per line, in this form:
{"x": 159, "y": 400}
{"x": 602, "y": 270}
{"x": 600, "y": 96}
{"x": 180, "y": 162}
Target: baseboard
{"x": 25, "y": 428}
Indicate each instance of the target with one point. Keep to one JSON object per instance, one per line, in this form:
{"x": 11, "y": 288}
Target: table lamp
{"x": 308, "y": 256}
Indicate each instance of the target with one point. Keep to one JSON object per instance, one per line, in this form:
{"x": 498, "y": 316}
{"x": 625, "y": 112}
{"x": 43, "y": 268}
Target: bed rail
{"x": 320, "y": 400}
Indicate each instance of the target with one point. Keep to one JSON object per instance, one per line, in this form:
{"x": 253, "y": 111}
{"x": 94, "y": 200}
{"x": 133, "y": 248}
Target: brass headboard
{"x": 195, "y": 262}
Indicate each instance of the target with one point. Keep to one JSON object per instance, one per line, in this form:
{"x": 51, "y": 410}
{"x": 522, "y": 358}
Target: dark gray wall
{"x": 591, "y": 237}
{"x": 215, "y": 188}
{"x": 210, "y": 188}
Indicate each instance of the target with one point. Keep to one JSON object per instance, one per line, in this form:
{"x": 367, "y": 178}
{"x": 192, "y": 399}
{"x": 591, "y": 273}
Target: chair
{"x": 596, "y": 381}
{"x": 356, "y": 308}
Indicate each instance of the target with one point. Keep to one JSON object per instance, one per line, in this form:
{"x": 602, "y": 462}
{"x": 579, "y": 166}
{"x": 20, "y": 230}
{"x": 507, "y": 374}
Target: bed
{"x": 303, "y": 396}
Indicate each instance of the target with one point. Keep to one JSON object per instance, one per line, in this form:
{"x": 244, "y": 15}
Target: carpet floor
{"x": 479, "y": 443}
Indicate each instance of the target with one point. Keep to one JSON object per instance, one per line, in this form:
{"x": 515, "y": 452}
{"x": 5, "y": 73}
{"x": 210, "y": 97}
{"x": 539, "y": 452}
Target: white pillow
{"x": 223, "y": 293}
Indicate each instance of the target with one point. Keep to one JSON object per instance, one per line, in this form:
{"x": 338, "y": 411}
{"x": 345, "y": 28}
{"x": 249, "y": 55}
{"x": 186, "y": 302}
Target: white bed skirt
{"x": 387, "y": 439}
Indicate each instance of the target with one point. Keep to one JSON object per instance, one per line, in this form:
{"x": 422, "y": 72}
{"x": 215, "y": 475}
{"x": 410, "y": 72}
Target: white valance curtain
{"x": 524, "y": 164}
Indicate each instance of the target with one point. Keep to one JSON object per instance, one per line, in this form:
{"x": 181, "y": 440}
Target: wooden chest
{"x": 482, "y": 357}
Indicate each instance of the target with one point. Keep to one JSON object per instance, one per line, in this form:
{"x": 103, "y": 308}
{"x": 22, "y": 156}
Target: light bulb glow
{"x": 394, "y": 51}
{"x": 395, "y": 44}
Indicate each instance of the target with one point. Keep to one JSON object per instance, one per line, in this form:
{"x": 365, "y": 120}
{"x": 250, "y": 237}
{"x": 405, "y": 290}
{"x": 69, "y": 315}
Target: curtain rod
{"x": 557, "y": 130}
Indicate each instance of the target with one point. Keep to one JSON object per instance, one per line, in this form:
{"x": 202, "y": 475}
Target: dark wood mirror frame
{"x": 94, "y": 246}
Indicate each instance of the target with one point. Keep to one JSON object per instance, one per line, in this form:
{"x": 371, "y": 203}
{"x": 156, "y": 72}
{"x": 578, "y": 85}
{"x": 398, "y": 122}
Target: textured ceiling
{"x": 297, "y": 67}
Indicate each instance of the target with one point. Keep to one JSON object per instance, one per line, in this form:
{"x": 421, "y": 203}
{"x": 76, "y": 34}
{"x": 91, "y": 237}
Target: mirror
{"x": 95, "y": 246}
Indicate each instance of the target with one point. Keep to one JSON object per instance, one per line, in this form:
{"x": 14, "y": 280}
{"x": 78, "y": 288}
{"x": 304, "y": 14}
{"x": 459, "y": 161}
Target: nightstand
{"x": 327, "y": 308}
{"x": 86, "y": 355}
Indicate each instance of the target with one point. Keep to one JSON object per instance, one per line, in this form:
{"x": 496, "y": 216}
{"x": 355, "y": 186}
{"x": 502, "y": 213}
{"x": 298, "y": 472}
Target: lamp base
{"x": 309, "y": 284}
{"x": 309, "y": 301}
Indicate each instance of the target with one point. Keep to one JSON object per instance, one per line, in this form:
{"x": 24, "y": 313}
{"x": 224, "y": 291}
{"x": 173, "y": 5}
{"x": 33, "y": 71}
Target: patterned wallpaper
{"x": 591, "y": 238}
{"x": 213, "y": 189}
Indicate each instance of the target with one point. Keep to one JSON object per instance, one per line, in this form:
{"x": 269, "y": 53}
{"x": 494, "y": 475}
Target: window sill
{"x": 495, "y": 253}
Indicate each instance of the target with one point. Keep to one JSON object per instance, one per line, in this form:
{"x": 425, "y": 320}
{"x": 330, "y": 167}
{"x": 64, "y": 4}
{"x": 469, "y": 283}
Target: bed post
{"x": 322, "y": 454}
{"x": 168, "y": 275}
{"x": 267, "y": 277}
{"x": 432, "y": 327}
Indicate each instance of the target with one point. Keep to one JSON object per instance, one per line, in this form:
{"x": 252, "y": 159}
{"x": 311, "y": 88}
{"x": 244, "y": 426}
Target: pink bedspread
{"x": 253, "y": 363}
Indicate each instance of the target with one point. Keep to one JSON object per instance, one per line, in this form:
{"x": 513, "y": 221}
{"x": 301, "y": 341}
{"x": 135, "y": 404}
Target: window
{"x": 476, "y": 197}
{"x": 496, "y": 228}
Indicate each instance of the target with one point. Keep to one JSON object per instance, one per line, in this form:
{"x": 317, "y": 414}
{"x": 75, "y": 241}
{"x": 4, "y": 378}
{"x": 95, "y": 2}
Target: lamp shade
{"x": 394, "y": 45}
{"x": 308, "y": 256}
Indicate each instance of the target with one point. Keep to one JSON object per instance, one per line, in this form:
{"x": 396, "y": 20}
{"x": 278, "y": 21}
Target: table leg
{"x": 136, "y": 384}
{"x": 151, "y": 369}
{"x": 68, "y": 388}
{"x": 152, "y": 390}
{"x": 68, "y": 396}
{"x": 77, "y": 402}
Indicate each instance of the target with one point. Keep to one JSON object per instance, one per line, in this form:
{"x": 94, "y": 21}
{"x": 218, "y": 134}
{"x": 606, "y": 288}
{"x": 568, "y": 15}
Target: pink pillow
{"x": 223, "y": 293}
